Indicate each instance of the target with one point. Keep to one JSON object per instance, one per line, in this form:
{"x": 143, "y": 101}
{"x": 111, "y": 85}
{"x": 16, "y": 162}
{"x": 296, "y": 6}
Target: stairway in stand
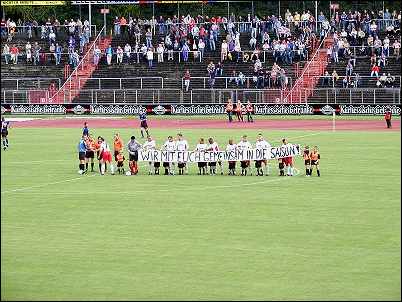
{"x": 77, "y": 80}
{"x": 308, "y": 80}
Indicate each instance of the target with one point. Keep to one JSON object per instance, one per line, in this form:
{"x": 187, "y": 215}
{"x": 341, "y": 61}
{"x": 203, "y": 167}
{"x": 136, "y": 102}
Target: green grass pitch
{"x": 71, "y": 237}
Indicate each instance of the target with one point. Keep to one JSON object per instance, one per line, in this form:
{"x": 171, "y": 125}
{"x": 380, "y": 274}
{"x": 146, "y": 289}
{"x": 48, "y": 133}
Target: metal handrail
{"x": 80, "y": 64}
{"x": 17, "y": 80}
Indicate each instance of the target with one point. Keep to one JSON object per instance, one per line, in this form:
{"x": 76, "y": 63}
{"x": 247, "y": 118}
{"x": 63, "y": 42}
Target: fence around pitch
{"x": 216, "y": 96}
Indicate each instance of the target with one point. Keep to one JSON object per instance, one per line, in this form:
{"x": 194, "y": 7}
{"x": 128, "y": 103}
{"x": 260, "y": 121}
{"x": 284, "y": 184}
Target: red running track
{"x": 355, "y": 125}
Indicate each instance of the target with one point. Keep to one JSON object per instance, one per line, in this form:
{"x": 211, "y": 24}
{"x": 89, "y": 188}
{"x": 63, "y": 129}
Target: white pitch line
{"x": 146, "y": 191}
{"x": 43, "y": 185}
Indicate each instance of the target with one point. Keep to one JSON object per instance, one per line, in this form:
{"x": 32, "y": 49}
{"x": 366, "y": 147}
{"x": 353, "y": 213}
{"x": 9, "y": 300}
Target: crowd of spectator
{"x": 73, "y": 35}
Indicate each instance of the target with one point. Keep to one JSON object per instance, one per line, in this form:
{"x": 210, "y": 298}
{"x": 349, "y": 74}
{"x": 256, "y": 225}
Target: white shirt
{"x": 169, "y": 146}
{"x": 150, "y": 55}
{"x": 201, "y": 147}
{"x": 149, "y": 145}
{"x": 263, "y": 144}
{"x": 214, "y": 146}
{"x": 230, "y": 148}
{"x": 181, "y": 145}
{"x": 105, "y": 147}
{"x": 127, "y": 48}
{"x": 244, "y": 145}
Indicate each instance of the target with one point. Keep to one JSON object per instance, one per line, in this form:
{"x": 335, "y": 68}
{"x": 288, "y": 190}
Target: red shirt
{"x": 14, "y": 50}
{"x": 388, "y": 115}
{"x": 249, "y": 108}
{"x": 376, "y": 68}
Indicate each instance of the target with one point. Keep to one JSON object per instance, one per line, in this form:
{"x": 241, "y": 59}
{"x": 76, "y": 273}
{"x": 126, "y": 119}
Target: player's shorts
{"x": 287, "y": 160}
{"x": 144, "y": 124}
{"x": 307, "y": 162}
{"x": 244, "y": 163}
{"x": 166, "y": 164}
{"x": 157, "y": 164}
{"x": 90, "y": 154}
{"x": 212, "y": 164}
{"x": 181, "y": 165}
{"x": 133, "y": 157}
{"x": 202, "y": 164}
{"x": 232, "y": 165}
{"x": 107, "y": 156}
{"x": 81, "y": 155}
{"x": 120, "y": 164}
{"x": 281, "y": 166}
{"x": 4, "y": 132}
{"x": 115, "y": 154}
{"x": 258, "y": 163}
{"x": 314, "y": 162}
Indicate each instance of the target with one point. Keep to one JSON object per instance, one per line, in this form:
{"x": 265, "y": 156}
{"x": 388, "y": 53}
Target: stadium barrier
{"x": 201, "y": 109}
{"x": 217, "y": 96}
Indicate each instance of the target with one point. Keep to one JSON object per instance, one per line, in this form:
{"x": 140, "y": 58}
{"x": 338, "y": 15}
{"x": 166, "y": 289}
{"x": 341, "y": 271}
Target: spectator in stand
{"x": 211, "y": 40}
{"x": 28, "y": 52}
{"x": 253, "y": 43}
{"x": 187, "y": 78}
{"x": 148, "y": 38}
{"x": 241, "y": 79}
{"x": 390, "y": 81}
{"x": 76, "y": 59}
{"x": 97, "y": 54}
{"x": 144, "y": 52}
{"x": 116, "y": 24}
{"x": 127, "y": 51}
{"x": 52, "y": 37}
{"x": 201, "y": 47}
{"x": 375, "y": 70}
{"x": 185, "y": 50}
{"x": 195, "y": 50}
{"x": 345, "y": 82}
{"x": 237, "y": 49}
{"x": 211, "y": 73}
{"x": 119, "y": 55}
{"x": 52, "y": 51}
{"x": 109, "y": 55}
{"x": 383, "y": 80}
{"x": 14, "y": 52}
{"x": 36, "y": 53}
{"x": 58, "y": 51}
{"x": 123, "y": 25}
{"x": 397, "y": 47}
{"x": 159, "y": 50}
{"x": 326, "y": 79}
{"x": 349, "y": 69}
{"x": 150, "y": 57}
{"x": 233, "y": 77}
{"x": 224, "y": 50}
{"x": 382, "y": 61}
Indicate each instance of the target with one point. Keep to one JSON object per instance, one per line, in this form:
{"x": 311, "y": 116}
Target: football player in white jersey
{"x": 213, "y": 146}
{"x": 169, "y": 145}
{"x": 231, "y": 147}
{"x": 105, "y": 156}
{"x": 244, "y": 145}
{"x": 149, "y": 145}
{"x": 261, "y": 144}
{"x": 201, "y": 146}
{"x": 181, "y": 145}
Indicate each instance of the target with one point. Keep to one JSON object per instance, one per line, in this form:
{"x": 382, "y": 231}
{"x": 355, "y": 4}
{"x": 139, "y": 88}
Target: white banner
{"x": 213, "y": 156}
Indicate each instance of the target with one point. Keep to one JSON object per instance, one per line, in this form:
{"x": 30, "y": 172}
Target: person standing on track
{"x": 249, "y": 110}
{"x": 4, "y": 132}
{"x": 388, "y": 117}
{"x": 144, "y": 123}
{"x": 85, "y": 130}
{"x": 239, "y": 111}
{"x": 229, "y": 110}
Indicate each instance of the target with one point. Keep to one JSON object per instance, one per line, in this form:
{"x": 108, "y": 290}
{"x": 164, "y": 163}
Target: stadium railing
{"x": 208, "y": 96}
{"x": 22, "y": 30}
{"x": 24, "y": 83}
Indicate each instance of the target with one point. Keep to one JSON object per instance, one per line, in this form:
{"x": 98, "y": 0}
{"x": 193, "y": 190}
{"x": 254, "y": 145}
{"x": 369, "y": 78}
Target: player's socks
{"x": 103, "y": 168}
{"x": 266, "y": 168}
{"x": 142, "y": 133}
{"x": 166, "y": 171}
{"x": 100, "y": 168}
{"x": 112, "y": 168}
{"x": 318, "y": 172}
{"x": 92, "y": 167}
{"x": 86, "y": 166}
{"x": 307, "y": 172}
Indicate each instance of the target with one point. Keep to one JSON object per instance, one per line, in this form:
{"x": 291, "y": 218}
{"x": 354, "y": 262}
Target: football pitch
{"x": 188, "y": 237}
